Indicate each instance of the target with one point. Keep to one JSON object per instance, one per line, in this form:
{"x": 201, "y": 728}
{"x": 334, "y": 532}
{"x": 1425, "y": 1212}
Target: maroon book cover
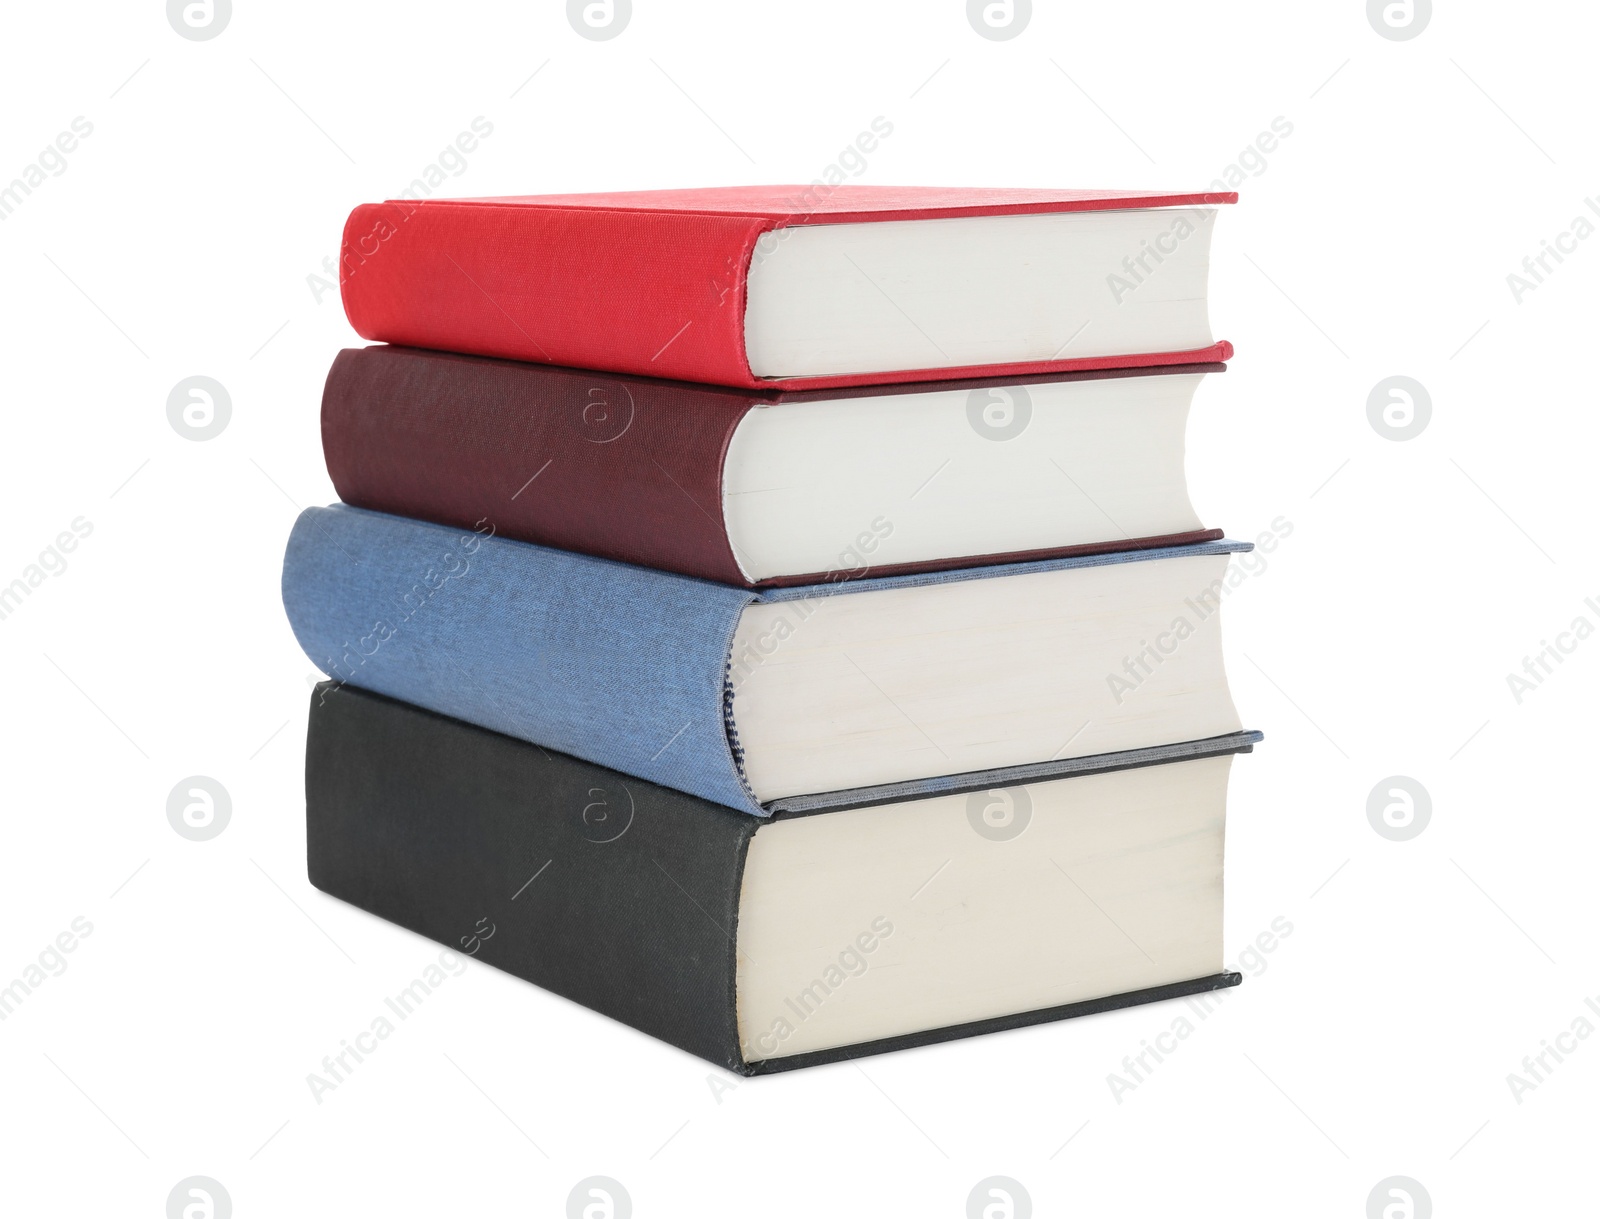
{"x": 625, "y": 468}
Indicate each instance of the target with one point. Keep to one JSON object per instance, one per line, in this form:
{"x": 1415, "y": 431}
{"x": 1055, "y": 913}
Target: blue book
{"x": 795, "y": 699}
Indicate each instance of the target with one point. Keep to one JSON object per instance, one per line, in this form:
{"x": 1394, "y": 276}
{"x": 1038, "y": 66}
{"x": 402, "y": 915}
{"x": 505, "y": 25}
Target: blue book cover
{"x": 623, "y": 666}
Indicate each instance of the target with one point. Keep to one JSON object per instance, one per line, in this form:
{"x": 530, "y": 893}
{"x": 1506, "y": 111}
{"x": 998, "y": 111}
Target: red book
{"x": 793, "y": 286}
{"x": 767, "y": 488}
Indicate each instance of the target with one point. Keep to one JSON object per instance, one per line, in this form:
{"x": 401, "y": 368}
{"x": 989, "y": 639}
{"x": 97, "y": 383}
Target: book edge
{"x": 1243, "y": 741}
{"x": 996, "y": 1024}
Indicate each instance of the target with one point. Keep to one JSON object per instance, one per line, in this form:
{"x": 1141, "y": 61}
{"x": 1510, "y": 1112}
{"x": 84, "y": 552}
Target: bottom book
{"x": 764, "y": 944}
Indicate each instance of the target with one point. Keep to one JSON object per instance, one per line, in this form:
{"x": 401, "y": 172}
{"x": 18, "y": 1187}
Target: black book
{"x": 764, "y": 944}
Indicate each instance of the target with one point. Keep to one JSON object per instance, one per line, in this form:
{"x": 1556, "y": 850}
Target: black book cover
{"x": 613, "y": 892}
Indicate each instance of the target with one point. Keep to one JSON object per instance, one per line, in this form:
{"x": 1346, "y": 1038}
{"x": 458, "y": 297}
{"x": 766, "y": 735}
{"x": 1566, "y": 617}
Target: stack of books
{"x": 775, "y": 621}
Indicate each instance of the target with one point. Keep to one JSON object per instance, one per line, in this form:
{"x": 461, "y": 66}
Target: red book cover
{"x": 626, "y": 468}
{"x": 651, "y": 282}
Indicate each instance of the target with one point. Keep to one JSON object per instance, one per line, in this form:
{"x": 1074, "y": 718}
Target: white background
{"x": 1376, "y": 241}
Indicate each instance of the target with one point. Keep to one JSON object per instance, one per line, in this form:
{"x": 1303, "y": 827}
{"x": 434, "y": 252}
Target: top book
{"x": 789, "y": 287}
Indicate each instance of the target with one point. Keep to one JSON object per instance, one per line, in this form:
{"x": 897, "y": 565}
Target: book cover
{"x": 618, "y": 894}
{"x": 651, "y": 282}
{"x": 621, "y": 665}
{"x": 625, "y": 468}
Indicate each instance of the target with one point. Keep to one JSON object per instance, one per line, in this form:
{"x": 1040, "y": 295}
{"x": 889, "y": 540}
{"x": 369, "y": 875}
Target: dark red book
{"x": 793, "y": 286}
{"x": 763, "y": 488}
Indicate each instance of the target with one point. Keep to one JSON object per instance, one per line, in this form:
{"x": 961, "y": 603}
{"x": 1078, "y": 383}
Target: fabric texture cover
{"x": 620, "y": 665}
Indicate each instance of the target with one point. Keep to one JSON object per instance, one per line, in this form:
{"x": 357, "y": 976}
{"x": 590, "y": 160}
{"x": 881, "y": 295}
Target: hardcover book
{"x": 767, "y": 487}
{"x": 768, "y": 945}
{"x": 777, "y": 699}
{"x": 776, "y": 286}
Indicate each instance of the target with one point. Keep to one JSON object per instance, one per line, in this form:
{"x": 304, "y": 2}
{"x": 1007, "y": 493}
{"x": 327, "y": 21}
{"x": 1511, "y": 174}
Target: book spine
{"x": 619, "y": 467}
{"x": 658, "y": 294}
{"x": 619, "y": 665}
{"x": 614, "y": 893}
